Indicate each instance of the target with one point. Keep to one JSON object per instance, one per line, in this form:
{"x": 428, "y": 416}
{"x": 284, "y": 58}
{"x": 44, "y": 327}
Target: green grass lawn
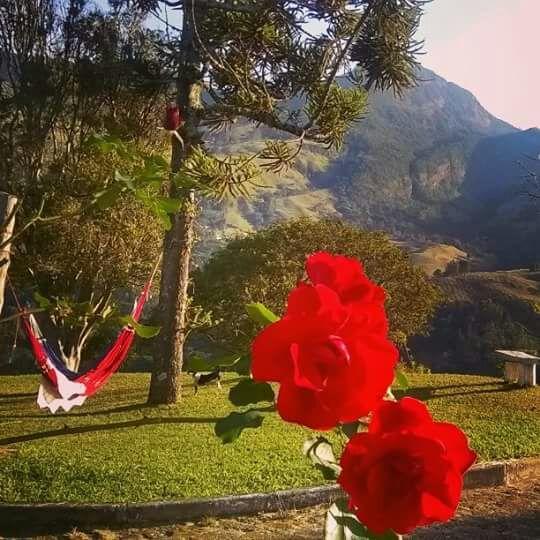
{"x": 122, "y": 450}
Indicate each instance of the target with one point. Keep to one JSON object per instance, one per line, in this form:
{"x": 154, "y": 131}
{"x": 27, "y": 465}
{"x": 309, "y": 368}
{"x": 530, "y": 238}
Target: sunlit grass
{"x": 116, "y": 449}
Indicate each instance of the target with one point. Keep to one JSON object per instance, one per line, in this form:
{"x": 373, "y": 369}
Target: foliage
{"x": 482, "y": 312}
{"x": 140, "y": 175}
{"x": 247, "y": 391}
{"x": 214, "y": 177}
{"x": 259, "y": 62}
{"x": 72, "y": 70}
{"x": 228, "y": 429}
{"x": 98, "y": 459}
{"x": 466, "y": 335}
{"x": 390, "y": 30}
{"x": 342, "y": 524}
{"x": 340, "y": 108}
{"x": 319, "y": 450}
{"x": 86, "y": 254}
{"x": 403, "y": 169}
{"x": 264, "y": 266}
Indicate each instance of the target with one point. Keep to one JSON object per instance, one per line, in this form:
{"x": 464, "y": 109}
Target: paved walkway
{"x": 485, "y": 514}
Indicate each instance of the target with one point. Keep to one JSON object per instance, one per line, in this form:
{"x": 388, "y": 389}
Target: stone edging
{"x": 55, "y": 517}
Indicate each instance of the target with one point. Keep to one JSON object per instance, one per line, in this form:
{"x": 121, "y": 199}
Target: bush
{"x": 264, "y": 266}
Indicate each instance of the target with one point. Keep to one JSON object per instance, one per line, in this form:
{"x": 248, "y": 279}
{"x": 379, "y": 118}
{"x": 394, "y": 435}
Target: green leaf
{"x": 106, "y": 198}
{"x": 181, "y": 180}
{"x": 333, "y": 530}
{"x": 401, "y": 380}
{"x": 229, "y": 428}
{"x": 228, "y": 361}
{"x": 319, "y": 450}
{"x": 169, "y": 205}
{"x": 43, "y": 303}
{"x": 103, "y": 143}
{"x": 261, "y": 314}
{"x": 388, "y": 535}
{"x": 127, "y": 181}
{"x": 225, "y": 363}
{"x": 152, "y": 204}
{"x": 142, "y": 330}
{"x": 157, "y": 208}
{"x": 328, "y": 473}
{"x": 156, "y": 161}
{"x": 107, "y": 144}
{"x": 166, "y": 222}
{"x": 242, "y": 366}
{"x": 248, "y": 391}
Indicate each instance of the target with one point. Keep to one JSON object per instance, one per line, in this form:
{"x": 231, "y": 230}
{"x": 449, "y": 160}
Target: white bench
{"x": 519, "y": 367}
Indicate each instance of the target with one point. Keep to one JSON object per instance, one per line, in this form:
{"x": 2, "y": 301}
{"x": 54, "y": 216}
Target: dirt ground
{"x": 484, "y": 514}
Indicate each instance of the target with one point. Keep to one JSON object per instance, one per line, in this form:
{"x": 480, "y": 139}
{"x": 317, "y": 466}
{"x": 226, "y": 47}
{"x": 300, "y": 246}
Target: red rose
{"x": 333, "y": 364}
{"x": 407, "y": 470}
{"x": 346, "y": 277}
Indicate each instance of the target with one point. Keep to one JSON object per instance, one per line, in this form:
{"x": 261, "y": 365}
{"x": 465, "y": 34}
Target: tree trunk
{"x": 7, "y": 223}
{"x": 165, "y": 386}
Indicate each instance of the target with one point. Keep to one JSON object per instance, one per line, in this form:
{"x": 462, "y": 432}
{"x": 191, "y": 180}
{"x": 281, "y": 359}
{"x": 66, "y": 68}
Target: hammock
{"x": 62, "y": 388}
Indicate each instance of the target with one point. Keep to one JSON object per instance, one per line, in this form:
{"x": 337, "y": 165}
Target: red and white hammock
{"x": 61, "y": 388}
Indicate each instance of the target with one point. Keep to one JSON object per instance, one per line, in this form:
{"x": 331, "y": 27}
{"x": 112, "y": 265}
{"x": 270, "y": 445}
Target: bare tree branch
{"x": 268, "y": 119}
{"x": 21, "y": 314}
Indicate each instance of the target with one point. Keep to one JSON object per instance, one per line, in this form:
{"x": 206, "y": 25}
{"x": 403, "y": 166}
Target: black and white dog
{"x": 204, "y": 379}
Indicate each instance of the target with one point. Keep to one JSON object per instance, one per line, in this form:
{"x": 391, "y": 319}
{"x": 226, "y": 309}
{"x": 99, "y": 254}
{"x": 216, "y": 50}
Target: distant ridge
{"x": 434, "y": 166}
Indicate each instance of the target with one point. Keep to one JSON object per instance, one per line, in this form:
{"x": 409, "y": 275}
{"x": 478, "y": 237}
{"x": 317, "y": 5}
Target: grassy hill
{"x": 436, "y": 257}
{"x": 521, "y": 286}
{"x": 117, "y": 449}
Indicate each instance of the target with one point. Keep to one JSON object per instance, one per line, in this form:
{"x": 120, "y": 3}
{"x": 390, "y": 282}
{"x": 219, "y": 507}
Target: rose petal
{"x": 344, "y": 275}
{"x": 405, "y": 414}
{"x": 305, "y": 372}
{"x": 271, "y": 359}
{"x": 301, "y": 406}
{"x": 312, "y": 301}
{"x": 456, "y": 444}
{"x": 399, "y": 480}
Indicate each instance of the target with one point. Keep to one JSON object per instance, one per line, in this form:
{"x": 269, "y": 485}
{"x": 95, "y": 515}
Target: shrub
{"x": 265, "y": 265}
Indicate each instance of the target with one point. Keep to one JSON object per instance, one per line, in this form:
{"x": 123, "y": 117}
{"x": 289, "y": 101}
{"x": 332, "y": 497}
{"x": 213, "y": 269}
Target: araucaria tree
{"x": 275, "y": 63}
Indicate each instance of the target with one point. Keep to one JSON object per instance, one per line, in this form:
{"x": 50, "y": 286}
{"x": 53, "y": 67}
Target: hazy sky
{"x": 490, "y": 47}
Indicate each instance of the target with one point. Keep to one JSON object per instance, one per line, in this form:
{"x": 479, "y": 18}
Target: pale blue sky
{"x": 491, "y": 48}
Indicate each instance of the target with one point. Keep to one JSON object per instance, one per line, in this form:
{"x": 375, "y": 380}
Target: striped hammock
{"x": 62, "y": 388}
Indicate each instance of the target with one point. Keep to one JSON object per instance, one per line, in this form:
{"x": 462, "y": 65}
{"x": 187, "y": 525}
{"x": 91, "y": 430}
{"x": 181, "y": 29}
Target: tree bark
{"x": 165, "y": 385}
{"x": 7, "y": 223}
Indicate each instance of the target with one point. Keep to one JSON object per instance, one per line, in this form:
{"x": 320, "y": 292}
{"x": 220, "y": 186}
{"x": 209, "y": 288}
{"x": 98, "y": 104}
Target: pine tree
{"x": 262, "y": 61}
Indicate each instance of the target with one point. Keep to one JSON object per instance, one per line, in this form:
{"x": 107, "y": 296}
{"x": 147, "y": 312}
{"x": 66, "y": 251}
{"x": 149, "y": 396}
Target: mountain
{"x": 433, "y": 165}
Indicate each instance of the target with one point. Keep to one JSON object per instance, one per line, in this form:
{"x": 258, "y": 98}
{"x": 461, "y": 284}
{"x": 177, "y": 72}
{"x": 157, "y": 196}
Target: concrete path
{"x": 485, "y": 514}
